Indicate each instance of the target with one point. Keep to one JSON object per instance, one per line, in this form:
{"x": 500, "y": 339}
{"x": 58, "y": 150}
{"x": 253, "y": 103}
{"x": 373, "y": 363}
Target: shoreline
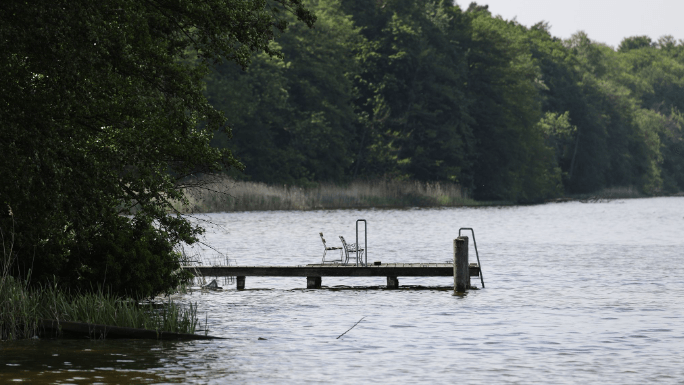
{"x": 225, "y": 195}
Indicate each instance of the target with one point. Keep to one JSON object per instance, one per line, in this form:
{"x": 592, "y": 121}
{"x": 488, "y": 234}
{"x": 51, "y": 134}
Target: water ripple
{"x": 575, "y": 293}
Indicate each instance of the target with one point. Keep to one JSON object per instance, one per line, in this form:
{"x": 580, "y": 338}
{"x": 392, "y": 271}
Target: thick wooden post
{"x": 392, "y": 282}
{"x": 313, "y": 282}
{"x": 461, "y": 268}
{"x": 240, "y": 283}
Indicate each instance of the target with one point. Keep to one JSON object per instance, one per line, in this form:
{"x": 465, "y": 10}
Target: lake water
{"x": 575, "y": 292}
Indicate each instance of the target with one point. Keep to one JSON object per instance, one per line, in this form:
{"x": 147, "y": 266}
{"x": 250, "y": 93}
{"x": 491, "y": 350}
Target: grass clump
{"x": 18, "y": 310}
{"x": 106, "y": 309}
{"x": 22, "y": 307}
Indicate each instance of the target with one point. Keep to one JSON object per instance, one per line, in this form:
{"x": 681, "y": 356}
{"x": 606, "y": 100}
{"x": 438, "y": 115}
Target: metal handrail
{"x": 365, "y": 246}
{"x": 476, "y": 253}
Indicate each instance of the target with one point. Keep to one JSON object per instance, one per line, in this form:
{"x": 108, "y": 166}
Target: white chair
{"x": 326, "y": 249}
{"x": 350, "y": 248}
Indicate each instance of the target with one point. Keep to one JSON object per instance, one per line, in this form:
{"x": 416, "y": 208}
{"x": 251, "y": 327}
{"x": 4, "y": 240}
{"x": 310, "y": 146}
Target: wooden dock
{"x": 315, "y": 272}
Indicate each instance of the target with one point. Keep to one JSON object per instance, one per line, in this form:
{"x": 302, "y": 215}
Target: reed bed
{"x": 610, "y": 193}
{"x": 619, "y": 193}
{"x": 222, "y": 194}
{"x": 21, "y": 306}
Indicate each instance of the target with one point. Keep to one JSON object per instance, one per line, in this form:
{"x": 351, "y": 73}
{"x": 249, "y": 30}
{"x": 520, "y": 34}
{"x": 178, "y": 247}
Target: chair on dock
{"x": 326, "y": 249}
{"x": 351, "y": 248}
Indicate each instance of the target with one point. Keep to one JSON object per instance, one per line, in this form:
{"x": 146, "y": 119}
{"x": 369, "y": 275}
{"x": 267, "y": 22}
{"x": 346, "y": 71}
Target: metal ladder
{"x": 476, "y": 253}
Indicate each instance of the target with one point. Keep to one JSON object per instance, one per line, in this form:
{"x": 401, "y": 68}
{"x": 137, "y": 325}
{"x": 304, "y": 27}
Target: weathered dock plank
{"x": 317, "y": 270}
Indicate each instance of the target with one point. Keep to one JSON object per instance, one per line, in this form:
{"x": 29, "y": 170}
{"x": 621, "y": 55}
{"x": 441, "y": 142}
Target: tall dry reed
{"x": 610, "y": 193}
{"x": 222, "y": 194}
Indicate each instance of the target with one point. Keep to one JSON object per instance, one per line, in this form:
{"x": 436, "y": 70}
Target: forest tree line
{"x": 102, "y": 119}
{"x": 427, "y": 91}
{"x": 106, "y": 118}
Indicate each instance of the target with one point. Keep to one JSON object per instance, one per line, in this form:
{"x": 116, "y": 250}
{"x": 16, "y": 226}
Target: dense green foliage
{"x": 105, "y": 117}
{"x": 102, "y": 118}
{"x": 402, "y": 89}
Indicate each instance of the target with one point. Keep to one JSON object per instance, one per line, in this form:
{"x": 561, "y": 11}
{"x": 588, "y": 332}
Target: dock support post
{"x": 240, "y": 283}
{"x": 392, "y": 282}
{"x": 461, "y": 267}
{"x": 313, "y": 282}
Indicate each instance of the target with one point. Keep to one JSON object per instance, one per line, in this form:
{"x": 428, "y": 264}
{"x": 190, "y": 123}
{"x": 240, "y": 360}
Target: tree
{"x": 414, "y": 119}
{"x": 103, "y": 120}
{"x": 293, "y": 119}
{"x": 634, "y": 42}
{"x": 504, "y": 84}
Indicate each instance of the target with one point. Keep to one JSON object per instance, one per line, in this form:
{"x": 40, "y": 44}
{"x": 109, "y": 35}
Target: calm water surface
{"x": 574, "y": 293}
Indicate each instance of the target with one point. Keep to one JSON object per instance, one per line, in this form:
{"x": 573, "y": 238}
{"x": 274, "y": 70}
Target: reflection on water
{"x": 83, "y": 361}
{"x": 575, "y": 293}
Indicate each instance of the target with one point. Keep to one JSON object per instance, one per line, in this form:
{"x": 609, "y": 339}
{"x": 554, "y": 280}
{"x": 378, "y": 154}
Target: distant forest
{"x": 427, "y": 91}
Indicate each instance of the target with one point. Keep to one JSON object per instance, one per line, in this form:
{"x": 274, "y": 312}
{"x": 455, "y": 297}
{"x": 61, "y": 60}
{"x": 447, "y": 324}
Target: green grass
{"x": 18, "y": 310}
{"x": 21, "y": 307}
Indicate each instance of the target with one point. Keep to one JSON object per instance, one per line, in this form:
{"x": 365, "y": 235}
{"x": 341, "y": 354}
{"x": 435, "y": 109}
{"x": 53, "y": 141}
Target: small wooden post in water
{"x": 461, "y": 268}
{"x": 313, "y": 282}
{"x": 240, "y": 283}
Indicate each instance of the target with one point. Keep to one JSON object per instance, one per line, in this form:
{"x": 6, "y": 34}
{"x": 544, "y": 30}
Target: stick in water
{"x": 350, "y": 328}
